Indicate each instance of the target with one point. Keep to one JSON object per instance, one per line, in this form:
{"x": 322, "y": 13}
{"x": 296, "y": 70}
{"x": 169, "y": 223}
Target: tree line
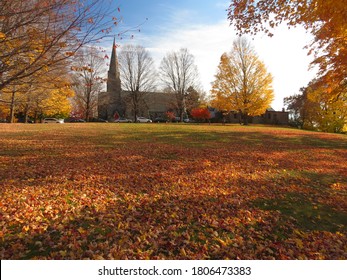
{"x": 242, "y": 83}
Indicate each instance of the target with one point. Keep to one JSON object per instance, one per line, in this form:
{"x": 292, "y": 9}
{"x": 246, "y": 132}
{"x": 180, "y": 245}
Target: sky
{"x": 202, "y": 27}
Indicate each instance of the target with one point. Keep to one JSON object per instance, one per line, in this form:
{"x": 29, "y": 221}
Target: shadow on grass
{"x": 308, "y": 215}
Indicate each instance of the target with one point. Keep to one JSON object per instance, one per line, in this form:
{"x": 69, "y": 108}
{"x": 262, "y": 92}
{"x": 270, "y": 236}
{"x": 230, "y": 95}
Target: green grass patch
{"x": 307, "y": 214}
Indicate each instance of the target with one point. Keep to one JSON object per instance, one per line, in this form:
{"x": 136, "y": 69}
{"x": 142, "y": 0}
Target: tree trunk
{"x": 26, "y": 115}
{"x": 135, "y": 105}
{"x": 12, "y": 105}
{"x": 245, "y": 119}
{"x": 88, "y": 104}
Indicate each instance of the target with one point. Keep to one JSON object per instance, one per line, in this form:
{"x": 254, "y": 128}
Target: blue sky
{"x": 159, "y": 17}
{"x": 167, "y": 13}
{"x": 202, "y": 27}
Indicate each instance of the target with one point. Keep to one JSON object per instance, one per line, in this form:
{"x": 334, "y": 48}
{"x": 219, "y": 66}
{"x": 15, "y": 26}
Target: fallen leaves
{"x": 95, "y": 191}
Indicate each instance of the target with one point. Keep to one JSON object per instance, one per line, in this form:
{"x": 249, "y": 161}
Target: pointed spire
{"x": 114, "y": 59}
{"x": 113, "y": 81}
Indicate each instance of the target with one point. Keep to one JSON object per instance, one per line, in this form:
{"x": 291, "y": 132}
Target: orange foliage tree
{"x": 201, "y": 114}
{"x": 170, "y": 115}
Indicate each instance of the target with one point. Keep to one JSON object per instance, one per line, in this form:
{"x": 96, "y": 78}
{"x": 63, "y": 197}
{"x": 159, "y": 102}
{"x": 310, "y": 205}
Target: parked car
{"x": 160, "y": 120}
{"x": 143, "y": 120}
{"x": 98, "y": 120}
{"x": 178, "y": 119}
{"x": 123, "y": 120}
{"x": 77, "y": 120}
{"x": 53, "y": 120}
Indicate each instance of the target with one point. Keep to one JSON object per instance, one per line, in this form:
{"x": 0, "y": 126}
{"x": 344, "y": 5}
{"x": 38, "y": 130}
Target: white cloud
{"x": 222, "y": 4}
{"x": 206, "y": 42}
{"x": 283, "y": 54}
{"x": 287, "y": 60}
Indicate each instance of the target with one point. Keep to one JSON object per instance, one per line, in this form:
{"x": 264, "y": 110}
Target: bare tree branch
{"x": 178, "y": 73}
{"x": 138, "y": 74}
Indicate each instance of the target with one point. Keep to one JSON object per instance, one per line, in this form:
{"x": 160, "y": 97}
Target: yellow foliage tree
{"x": 315, "y": 108}
{"x": 53, "y": 102}
{"x": 44, "y": 94}
{"x": 326, "y": 113}
{"x": 242, "y": 82}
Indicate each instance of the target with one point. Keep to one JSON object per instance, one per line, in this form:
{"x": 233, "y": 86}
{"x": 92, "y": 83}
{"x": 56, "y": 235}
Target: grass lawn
{"x": 171, "y": 191}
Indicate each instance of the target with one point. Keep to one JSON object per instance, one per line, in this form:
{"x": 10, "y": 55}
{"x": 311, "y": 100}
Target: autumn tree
{"x": 36, "y": 34}
{"x": 297, "y": 106}
{"x": 30, "y": 100}
{"x": 314, "y": 108}
{"x": 242, "y": 82}
{"x": 325, "y": 19}
{"x": 53, "y": 103}
{"x": 137, "y": 74}
{"x": 201, "y": 114}
{"x": 9, "y": 100}
{"x": 170, "y": 116}
{"x": 89, "y": 67}
{"x": 179, "y": 73}
{"x": 195, "y": 98}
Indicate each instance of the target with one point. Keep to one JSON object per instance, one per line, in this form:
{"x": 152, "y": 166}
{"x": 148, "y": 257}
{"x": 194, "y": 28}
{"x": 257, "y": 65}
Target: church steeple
{"x": 113, "y": 78}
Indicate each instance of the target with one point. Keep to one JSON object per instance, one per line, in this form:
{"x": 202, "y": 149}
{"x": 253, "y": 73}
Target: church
{"x": 116, "y": 102}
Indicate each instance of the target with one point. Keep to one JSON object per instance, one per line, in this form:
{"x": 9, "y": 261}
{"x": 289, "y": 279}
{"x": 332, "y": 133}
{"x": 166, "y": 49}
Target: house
{"x": 269, "y": 117}
{"x": 273, "y": 117}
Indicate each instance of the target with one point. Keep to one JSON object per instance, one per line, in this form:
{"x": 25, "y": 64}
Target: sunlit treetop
{"x": 251, "y": 16}
{"x": 325, "y": 19}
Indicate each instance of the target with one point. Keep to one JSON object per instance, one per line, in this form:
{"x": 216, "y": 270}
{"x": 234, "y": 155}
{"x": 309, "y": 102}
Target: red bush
{"x": 201, "y": 114}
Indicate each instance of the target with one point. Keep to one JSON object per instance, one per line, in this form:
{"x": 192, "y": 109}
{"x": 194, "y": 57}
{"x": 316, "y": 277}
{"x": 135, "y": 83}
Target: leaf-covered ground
{"x": 151, "y": 191}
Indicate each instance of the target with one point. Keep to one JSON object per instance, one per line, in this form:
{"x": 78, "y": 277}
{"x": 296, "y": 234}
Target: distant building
{"x": 269, "y": 117}
{"x": 116, "y": 102}
{"x": 273, "y": 117}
